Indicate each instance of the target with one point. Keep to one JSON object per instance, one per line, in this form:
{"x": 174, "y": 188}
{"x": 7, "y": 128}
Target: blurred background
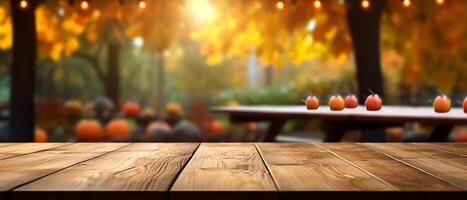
{"x": 129, "y": 70}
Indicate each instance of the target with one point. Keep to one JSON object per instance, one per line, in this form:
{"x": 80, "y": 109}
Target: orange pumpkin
{"x": 40, "y": 135}
{"x": 131, "y": 109}
{"x": 117, "y": 128}
{"x": 160, "y": 126}
{"x": 217, "y": 127}
{"x": 336, "y": 102}
{"x": 73, "y": 107}
{"x": 88, "y": 130}
{"x": 173, "y": 109}
{"x": 442, "y": 104}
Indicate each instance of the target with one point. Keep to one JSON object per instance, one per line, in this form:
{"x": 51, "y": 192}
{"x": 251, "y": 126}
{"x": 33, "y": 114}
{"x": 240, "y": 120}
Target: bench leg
{"x": 273, "y": 130}
{"x": 440, "y": 134}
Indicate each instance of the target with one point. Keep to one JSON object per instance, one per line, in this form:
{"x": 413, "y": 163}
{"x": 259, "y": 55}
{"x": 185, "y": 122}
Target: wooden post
{"x": 21, "y": 120}
{"x": 112, "y": 80}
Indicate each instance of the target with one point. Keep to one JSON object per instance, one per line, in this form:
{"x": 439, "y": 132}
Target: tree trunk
{"x": 112, "y": 77}
{"x": 21, "y": 120}
{"x": 160, "y": 84}
{"x": 364, "y": 28}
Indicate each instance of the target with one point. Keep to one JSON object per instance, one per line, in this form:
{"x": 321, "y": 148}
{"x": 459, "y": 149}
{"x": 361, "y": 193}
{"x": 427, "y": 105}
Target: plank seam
{"x": 443, "y": 150}
{"x": 53, "y": 172}
{"x": 177, "y": 175}
{"x": 358, "y": 167}
{"x": 413, "y": 166}
{"x": 276, "y": 185}
{"x": 18, "y": 155}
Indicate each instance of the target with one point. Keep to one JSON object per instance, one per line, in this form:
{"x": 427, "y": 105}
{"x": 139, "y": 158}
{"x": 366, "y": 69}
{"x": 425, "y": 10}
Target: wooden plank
{"x": 7, "y": 144}
{"x": 153, "y": 167}
{"x": 24, "y": 148}
{"x": 306, "y": 167}
{"x": 459, "y": 148}
{"x": 87, "y": 147}
{"x": 225, "y": 167}
{"x": 23, "y": 169}
{"x": 149, "y": 146}
{"x": 447, "y": 166}
{"x": 385, "y": 168}
{"x": 10, "y": 150}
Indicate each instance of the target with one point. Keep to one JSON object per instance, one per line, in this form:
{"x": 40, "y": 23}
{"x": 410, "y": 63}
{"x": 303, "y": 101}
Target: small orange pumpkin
{"x": 73, "y": 107}
{"x": 117, "y": 128}
{"x": 216, "y": 127}
{"x": 131, "y": 109}
{"x": 40, "y": 135}
{"x": 88, "y": 130}
{"x": 173, "y": 109}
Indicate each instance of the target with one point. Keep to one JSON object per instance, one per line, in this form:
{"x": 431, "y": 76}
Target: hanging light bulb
{"x": 365, "y": 4}
{"x": 142, "y": 4}
{"x": 84, "y": 5}
{"x": 317, "y": 4}
{"x": 23, "y": 4}
{"x": 280, "y": 5}
{"x": 439, "y": 2}
{"x": 406, "y": 3}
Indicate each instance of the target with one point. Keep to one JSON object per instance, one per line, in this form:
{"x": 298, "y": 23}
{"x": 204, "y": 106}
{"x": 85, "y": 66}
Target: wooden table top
{"x": 232, "y": 170}
{"x": 386, "y": 114}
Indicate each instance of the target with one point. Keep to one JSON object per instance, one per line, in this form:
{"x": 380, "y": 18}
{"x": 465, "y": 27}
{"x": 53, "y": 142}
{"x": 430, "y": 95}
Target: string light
{"x": 84, "y": 5}
{"x": 142, "y": 4}
{"x": 406, "y": 3}
{"x": 439, "y": 2}
{"x": 317, "y": 4}
{"x": 280, "y": 5}
{"x": 365, "y": 4}
{"x": 23, "y": 4}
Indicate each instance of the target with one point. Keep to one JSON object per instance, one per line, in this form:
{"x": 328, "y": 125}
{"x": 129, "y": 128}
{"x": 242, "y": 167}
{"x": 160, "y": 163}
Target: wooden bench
{"x": 348, "y": 119}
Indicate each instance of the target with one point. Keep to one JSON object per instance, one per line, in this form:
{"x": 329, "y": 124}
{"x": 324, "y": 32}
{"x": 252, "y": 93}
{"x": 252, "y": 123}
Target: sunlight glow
{"x": 138, "y": 42}
{"x": 201, "y": 10}
{"x": 23, "y": 4}
{"x": 406, "y": 3}
{"x": 365, "y": 4}
{"x": 439, "y": 2}
{"x": 280, "y": 5}
{"x": 317, "y": 4}
{"x": 84, "y": 5}
{"x": 142, "y": 4}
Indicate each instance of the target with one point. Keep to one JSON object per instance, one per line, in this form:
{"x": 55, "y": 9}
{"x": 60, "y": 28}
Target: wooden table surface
{"x": 387, "y": 113}
{"x": 233, "y": 170}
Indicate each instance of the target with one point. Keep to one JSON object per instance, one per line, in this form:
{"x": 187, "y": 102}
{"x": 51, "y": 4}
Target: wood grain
{"x": 23, "y": 169}
{"x": 459, "y": 148}
{"x": 148, "y": 167}
{"x": 225, "y": 167}
{"x": 9, "y": 150}
{"x": 306, "y": 167}
{"x": 385, "y": 168}
{"x": 447, "y": 166}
